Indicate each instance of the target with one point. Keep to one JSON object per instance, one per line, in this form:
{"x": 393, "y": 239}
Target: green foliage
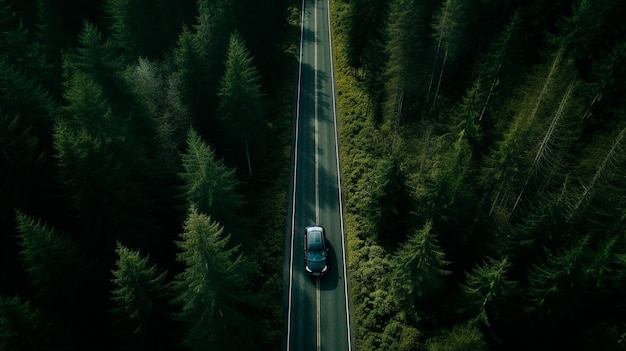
{"x": 144, "y": 28}
{"x": 465, "y": 337}
{"x": 409, "y": 39}
{"x": 210, "y": 186}
{"x": 240, "y": 107}
{"x": 418, "y": 269}
{"x": 49, "y": 258}
{"x": 22, "y": 327}
{"x": 212, "y": 289}
{"x": 139, "y": 294}
{"x": 488, "y": 291}
{"x": 392, "y": 204}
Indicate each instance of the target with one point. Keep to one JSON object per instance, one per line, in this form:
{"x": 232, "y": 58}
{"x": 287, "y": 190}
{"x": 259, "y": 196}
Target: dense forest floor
{"x": 482, "y": 150}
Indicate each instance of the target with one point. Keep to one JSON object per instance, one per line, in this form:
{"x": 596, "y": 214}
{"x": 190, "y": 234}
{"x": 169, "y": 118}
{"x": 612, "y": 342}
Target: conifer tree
{"x": 487, "y": 291}
{"x": 201, "y": 50}
{"x": 448, "y": 28}
{"x": 392, "y": 204}
{"x": 212, "y": 290}
{"x": 409, "y": 38}
{"x": 366, "y": 24}
{"x": 210, "y": 185}
{"x": 557, "y": 292}
{"x": 240, "y": 107}
{"x": 419, "y": 269}
{"x": 18, "y": 45}
{"x": 62, "y": 279}
{"x": 140, "y": 299}
{"x": 144, "y": 28}
{"x": 22, "y": 327}
{"x": 157, "y": 85}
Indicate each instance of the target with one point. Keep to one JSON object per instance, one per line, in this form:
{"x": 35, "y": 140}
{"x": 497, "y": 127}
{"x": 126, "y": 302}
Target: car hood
{"x": 317, "y": 266}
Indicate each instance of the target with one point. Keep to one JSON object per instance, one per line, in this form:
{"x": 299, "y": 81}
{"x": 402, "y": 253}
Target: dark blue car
{"x": 315, "y": 251}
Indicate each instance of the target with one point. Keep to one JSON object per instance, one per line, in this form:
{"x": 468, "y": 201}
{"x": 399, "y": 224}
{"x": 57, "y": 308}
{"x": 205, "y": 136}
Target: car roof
{"x": 315, "y": 238}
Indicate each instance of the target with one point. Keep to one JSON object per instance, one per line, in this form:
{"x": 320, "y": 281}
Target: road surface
{"x": 317, "y": 308}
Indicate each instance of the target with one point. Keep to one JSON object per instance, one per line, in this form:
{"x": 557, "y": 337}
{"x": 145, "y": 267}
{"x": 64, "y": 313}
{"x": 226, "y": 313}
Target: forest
{"x": 145, "y": 149}
{"x": 484, "y": 170}
{"x": 145, "y": 153}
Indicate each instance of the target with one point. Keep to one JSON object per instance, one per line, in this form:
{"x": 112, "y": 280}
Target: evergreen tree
{"x": 144, "y": 28}
{"x": 200, "y": 62}
{"x": 366, "y": 23}
{"x": 22, "y": 327}
{"x": 240, "y": 106}
{"x": 212, "y": 291}
{"x": 418, "y": 269}
{"x": 462, "y": 337}
{"x": 449, "y": 29}
{"x": 53, "y": 39}
{"x": 140, "y": 299}
{"x": 61, "y": 277}
{"x": 18, "y": 45}
{"x": 557, "y": 295}
{"x": 210, "y": 186}
{"x": 392, "y": 204}
{"x": 451, "y": 197}
{"x": 409, "y": 40}
{"x": 157, "y": 86}
{"x": 488, "y": 291}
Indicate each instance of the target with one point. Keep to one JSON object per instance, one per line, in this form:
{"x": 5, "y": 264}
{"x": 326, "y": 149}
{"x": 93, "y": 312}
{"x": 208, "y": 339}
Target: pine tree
{"x": 240, "y": 107}
{"x": 366, "y": 24}
{"x": 409, "y": 39}
{"x": 157, "y": 85}
{"x": 392, "y": 204}
{"x": 140, "y": 298}
{"x": 210, "y": 185}
{"x": 62, "y": 279}
{"x": 557, "y": 294}
{"x": 418, "y": 269}
{"x": 487, "y": 291}
{"x": 448, "y": 33}
{"x": 212, "y": 291}
{"x": 22, "y": 327}
{"x": 144, "y": 28}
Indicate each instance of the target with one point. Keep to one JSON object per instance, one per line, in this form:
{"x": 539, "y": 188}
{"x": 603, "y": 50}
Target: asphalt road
{"x": 317, "y": 308}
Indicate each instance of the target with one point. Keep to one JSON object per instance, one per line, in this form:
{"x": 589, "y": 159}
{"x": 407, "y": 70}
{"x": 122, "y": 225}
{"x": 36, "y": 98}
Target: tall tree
{"x": 22, "y": 327}
{"x": 157, "y": 85}
{"x": 144, "y": 28}
{"x": 448, "y": 28}
{"x": 409, "y": 40}
{"x": 49, "y": 258}
{"x": 140, "y": 299}
{"x": 212, "y": 290}
{"x": 210, "y": 186}
{"x": 488, "y": 291}
{"x": 200, "y": 60}
{"x": 419, "y": 269}
{"x": 392, "y": 204}
{"x": 240, "y": 107}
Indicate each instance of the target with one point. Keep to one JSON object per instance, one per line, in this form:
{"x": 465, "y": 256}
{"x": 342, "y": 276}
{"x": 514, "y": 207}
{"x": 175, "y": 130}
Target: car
{"x": 315, "y": 251}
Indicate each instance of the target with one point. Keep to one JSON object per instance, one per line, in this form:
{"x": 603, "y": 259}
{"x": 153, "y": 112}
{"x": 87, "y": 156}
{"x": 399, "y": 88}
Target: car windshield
{"x": 315, "y": 256}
